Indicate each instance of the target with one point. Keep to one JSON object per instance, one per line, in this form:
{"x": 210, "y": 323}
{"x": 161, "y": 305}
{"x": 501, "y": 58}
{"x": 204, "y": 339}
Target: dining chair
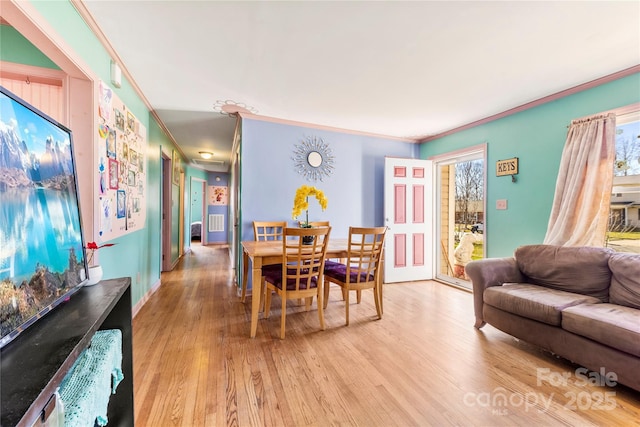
{"x": 362, "y": 268}
{"x": 316, "y": 223}
{"x": 301, "y": 273}
{"x": 320, "y": 223}
{"x": 266, "y": 230}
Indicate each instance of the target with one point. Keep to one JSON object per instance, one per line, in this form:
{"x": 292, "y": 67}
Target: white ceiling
{"x": 402, "y": 69}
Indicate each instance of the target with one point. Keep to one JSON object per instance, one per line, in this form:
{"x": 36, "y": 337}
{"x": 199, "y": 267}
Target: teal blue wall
{"x": 138, "y": 254}
{"x": 536, "y": 136}
{"x": 15, "y": 48}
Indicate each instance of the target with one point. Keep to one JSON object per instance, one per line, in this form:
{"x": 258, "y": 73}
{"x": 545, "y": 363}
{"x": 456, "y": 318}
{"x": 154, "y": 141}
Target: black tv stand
{"x": 34, "y": 364}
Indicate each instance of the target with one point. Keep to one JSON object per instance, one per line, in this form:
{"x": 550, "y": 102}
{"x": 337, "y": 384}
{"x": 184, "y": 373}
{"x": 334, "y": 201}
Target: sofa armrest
{"x": 490, "y": 272}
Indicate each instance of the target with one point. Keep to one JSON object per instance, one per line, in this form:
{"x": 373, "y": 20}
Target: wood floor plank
{"x": 422, "y": 364}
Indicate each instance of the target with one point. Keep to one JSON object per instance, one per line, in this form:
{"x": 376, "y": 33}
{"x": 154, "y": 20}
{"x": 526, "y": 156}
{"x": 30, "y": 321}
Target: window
{"x": 624, "y": 218}
{"x": 460, "y": 224}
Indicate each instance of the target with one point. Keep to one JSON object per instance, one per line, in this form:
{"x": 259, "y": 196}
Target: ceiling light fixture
{"x": 232, "y": 108}
{"x": 206, "y": 154}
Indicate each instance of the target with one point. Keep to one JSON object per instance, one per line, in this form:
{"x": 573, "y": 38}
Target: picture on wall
{"x": 175, "y": 162}
{"x": 119, "y": 120}
{"x": 218, "y": 195}
{"x": 113, "y": 174}
{"x": 131, "y": 126}
{"x": 111, "y": 144}
{"x": 120, "y": 160}
{"x": 121, "y": 204}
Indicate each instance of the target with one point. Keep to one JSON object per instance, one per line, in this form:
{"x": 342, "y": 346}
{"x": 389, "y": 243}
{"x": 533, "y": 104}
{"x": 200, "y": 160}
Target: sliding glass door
{"x": 460, "y": 219}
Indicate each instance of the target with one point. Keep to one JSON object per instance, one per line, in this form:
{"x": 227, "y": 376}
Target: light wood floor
{"x": 422, "y": 364}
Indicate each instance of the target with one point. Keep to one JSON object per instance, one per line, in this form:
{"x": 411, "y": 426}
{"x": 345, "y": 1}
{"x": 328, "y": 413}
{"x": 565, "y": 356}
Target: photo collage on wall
{"x": 121, "y": 157}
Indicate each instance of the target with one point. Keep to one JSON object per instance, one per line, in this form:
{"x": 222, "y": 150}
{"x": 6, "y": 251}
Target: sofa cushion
{"x": 610, "y": 324}
{"x": 534, "y": 302}
{"x": 625, "y": 279}
{"x": 583, "y": 270}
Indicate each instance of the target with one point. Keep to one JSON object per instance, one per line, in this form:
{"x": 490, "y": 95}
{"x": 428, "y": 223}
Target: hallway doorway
{"x": 197, "y": 212}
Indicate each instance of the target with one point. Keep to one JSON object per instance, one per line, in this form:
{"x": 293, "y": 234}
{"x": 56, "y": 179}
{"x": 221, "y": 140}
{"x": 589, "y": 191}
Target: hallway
{"x": 422, "y": 364}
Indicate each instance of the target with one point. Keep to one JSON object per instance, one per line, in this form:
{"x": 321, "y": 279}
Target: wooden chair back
{"x": 362, "y": 269}
{"x": 304, "y": 262}
{"x": 316, "y": 223}
{"x": 366, "y": 245}
{"x": 302, "y": 271}
{"x": 268, "y": 230}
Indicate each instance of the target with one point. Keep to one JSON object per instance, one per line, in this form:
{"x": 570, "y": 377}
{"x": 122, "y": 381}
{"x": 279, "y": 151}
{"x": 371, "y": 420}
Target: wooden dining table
{"x": 270, "y": 252}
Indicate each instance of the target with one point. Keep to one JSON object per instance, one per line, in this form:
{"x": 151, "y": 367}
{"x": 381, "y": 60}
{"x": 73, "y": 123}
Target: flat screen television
{"x": 42, "y": 255}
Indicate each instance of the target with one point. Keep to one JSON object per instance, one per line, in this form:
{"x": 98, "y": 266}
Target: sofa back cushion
{"x": 580, "y": 269}
{"x": 625, "y": 279}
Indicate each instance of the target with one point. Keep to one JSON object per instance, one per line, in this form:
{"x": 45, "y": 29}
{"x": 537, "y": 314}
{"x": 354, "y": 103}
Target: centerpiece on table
{"x": 95, "y": 271}
{"x": 301, "y": 203}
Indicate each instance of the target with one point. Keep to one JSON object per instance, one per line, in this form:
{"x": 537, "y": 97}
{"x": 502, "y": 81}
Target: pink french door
{"x": 408, "y": 206}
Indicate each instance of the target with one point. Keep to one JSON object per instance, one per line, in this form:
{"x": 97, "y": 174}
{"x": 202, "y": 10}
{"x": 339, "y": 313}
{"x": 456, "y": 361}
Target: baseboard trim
{"x": 145, "y": 298}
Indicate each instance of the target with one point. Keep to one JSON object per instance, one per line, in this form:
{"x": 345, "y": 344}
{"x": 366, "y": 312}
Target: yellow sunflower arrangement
{"x": 301, "y": 201}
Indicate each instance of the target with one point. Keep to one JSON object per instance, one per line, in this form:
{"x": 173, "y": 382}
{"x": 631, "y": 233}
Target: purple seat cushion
{"x": 275, "y": 278}
{"x": 271, "y": 267}
{"x": 581, "y": 269}
{"x": 331, "y": 265}
{"x": 339, "y": 272}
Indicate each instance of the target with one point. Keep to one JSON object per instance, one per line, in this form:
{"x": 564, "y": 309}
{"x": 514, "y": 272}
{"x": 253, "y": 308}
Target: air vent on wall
{"x": 203, "y": 162}
{"x": 216, "y": 222}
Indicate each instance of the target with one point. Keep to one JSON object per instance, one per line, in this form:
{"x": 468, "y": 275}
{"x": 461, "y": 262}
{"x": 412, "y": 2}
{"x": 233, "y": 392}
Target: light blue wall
{"x": 536, "y": 136}
{"x": 218, "y": 236}
{"x": 354, "y": 190}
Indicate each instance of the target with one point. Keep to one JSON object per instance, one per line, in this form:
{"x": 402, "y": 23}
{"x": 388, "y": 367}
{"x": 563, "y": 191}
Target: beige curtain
{"x": 580, "y": 212}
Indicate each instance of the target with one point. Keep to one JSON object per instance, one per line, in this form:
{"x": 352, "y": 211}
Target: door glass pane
{"x": 623, "y": 234}
{"x": 460, "y": 216}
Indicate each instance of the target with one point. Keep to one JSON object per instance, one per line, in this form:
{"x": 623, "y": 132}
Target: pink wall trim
{"x": 321, "y": 127}
{"x": 36, "y": 74}
{"x": 582, "y": 87}
{"x": 618, "y": 111}
{"x": 461, "y": 152}
{"x": 399, "y": 241}
{"x": 30, "y": 23}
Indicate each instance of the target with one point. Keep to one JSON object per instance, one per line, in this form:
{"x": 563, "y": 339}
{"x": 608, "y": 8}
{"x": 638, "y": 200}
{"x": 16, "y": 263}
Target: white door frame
{"x": 469, "y": 153}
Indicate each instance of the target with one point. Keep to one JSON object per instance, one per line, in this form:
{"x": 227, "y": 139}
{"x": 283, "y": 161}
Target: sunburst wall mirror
{"x": 313, "y": 159}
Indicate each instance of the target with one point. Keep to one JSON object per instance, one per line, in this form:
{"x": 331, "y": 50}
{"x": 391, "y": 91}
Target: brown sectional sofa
{"x": 580, "y": 303}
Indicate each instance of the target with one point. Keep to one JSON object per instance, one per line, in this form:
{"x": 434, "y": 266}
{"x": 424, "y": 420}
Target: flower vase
{"x": 95, "y": 275}
{"x": 307, "y": 240}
